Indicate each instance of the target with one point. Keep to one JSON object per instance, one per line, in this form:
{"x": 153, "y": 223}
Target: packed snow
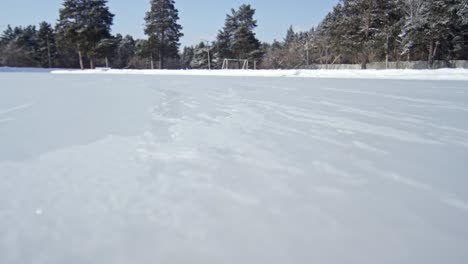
{"x": 440, "y": 74}
{"x": 145, "y": 168}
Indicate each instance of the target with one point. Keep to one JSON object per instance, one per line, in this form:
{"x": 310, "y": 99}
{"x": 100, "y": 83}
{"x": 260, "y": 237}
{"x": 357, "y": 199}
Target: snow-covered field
{"x": 135, "y": 168}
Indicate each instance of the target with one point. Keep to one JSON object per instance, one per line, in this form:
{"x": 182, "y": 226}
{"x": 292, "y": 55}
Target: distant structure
{"x": 235, "y": 64}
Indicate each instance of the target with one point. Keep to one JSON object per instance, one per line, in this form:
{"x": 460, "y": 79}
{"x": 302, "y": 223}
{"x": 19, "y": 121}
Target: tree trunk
{"x": 49, "y": 58}
{"x": 80, "y": 55}
{"x": 326, "y": 56}
{"x": 363, "y": 65}
{"x": 152, "y": 61}
{"x": 365, "y": 54}
{"x": 435, "y": 52}
{"x": 409, "y": 55}
{"x": 364, "y": 59}
{"x": 430, "y": 59}
{"x": 91, "y": 63}
{"x": 161, "y": 51}
{"x": 161, "y": 60}
{"x": 107, "y": 62}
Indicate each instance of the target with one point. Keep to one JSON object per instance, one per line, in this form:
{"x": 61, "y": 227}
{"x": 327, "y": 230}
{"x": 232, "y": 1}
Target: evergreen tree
{"x": 412, "y": 36}
{"x": 291, "y": 36}
{"x": 47, "y": 50}
{"x": 7, "y": 35}
{"x": 200, "y": 56}
{"x": 436, "y": 25}
{"x": 187, "y": 57}
{"x": 459, "y": 12}
{"x": 20, "y": 47}
{"x": 237, "y": 39}
{"x": 223, "y": 46}
{"x": 125, "y": 50}
{"x": 359, "y": 31}
{"x": 163, "y": 30}
{"x": 463, "y": 18}
{"x": 145, "y": 51}
{"x": 6, "y": 43}
{"x": 82, "y": 25}
{"x": 245, "y": 44}
{"x": 393, "y": 21}
{"x": 328, "y": 38}
{"x": 105, "y": 49}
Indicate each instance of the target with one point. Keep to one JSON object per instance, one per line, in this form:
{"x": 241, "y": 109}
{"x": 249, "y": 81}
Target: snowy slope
{"x": 192, "y": 169}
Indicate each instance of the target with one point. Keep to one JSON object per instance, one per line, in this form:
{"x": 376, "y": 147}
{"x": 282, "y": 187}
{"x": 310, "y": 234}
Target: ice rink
{"x": 142, "y": 168}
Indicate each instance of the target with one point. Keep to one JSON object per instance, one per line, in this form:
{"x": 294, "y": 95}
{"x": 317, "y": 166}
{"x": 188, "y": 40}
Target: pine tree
{"x": 20, "y": 46}
{"x": 125, "y": 50}
{"x": 328, "y": 38}
{"x": 460, "y": 39}
{"x": 70, "y": 28}
{"x": 187, "y": 57}
{"x": 145, "y": 51}
{"x": 223, "y": 47}
{"x": 47, "y": 50}
{"x": 237, "y": 39}
{"x": 200, "y": 56}
{"x": 436, "y": 25}
{"x": 105, "y": 49}
{"x": 82, "y": 25}
{"x": 393, "y": 21}
{"x": 6, "y": 41}
{"x": 463, "y": 15}
{"x": 245, "y": 44}
{"x": 163, "y": 30}
{"x": 291, "y": 36}
{"x": 349, "y": 32}
{"x": 7, "y": 35}
{"x": 411, "y": 37}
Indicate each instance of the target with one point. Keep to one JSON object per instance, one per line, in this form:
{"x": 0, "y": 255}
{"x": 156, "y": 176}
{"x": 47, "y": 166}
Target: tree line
{"x": 354, "y": 31}
{"x": 363, "y": 31}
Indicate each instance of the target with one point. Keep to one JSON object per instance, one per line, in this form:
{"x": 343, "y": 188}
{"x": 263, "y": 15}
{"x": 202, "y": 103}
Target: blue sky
{"x": 201, "y": 19}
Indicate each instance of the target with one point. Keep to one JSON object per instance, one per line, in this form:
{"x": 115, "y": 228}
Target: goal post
{"x": 235, "y": 64}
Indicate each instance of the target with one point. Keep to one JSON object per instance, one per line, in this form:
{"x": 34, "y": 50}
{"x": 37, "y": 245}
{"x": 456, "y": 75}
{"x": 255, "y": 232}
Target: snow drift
{"x": 441, "y": 74}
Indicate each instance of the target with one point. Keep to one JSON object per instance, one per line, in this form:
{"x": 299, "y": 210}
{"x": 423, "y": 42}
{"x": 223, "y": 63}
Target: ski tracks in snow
{"x": 4, "y": 112}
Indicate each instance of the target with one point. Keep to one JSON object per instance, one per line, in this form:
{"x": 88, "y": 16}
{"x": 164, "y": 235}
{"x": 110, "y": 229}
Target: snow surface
{"x": 441, "y": 74}
{"x": 26, "y": 69}
{"x": 195, "y": 169}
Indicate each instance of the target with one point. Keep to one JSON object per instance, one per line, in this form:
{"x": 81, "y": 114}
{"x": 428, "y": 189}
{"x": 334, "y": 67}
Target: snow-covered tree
{"x": 437, "y": 25}
{"x": 187, "y": 57}
{"x": 20, "y": 47}
{"x": 200, "y": 56}
{"x": 291, "y": 36}
{"x": 124, "y": 52}
{"x": 460, "y": 39}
